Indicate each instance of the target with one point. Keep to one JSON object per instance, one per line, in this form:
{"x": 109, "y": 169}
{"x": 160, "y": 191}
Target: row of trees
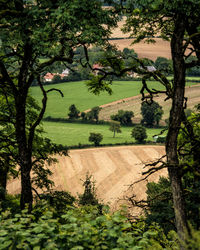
{"x": 138, "y": 132}
{"x": 92, "y": 115}
{"x": 151, "y": 113}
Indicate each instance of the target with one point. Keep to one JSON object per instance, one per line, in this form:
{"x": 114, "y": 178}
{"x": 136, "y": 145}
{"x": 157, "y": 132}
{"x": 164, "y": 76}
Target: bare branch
{"x": 54, "y": 89}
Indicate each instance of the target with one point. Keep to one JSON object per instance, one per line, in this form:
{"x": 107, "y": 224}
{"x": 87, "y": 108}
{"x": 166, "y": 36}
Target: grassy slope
{"x": 78, "y": 94}
{"x": 74, "y": 133}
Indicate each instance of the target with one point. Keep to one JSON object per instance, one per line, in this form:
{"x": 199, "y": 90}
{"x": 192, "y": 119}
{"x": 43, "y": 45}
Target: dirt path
{"x": 113, "y": 169}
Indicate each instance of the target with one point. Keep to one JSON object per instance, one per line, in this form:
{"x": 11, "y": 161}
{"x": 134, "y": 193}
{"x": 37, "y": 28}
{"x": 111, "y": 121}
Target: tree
{"x": 89, "y": 196}
{"x": 151, "y": 113}
{"x": 164, "y": 65}
{"x": 93, "y": 114}
{"x": 123, "y": 116}
{"x": 96, "y": 138}
{"x": 74, "y": 112}
{"x": 139, "y": 133}
{"x": 57, "y": 79}
{"x": 115, "y": 127}
{"x": 178, "y": 22}
{"x": 48, "y": 29}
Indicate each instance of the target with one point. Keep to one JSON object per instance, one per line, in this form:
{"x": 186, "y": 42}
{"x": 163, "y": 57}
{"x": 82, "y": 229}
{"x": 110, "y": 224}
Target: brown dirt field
{"x": 113, "y": 169}
{"x": 145, "y": 50}
{"x": 134, "y": 104}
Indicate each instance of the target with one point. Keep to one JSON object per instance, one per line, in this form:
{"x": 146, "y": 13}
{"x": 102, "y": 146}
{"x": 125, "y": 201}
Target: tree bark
{"x": 3, "y": 179}
{"x": 176, "y": 112}
{"x": 24, "y": 154}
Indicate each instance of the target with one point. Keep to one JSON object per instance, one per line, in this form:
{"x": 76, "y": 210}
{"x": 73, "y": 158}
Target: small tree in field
{"x": 74, "y": 112}
{"x": 139, "y": 133}
{"x": 115, "y": 127}
{"x": 96, "y": 138}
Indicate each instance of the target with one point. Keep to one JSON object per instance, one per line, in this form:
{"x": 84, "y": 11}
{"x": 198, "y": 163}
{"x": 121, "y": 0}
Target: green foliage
{"x": 115, "y": 127}
{"x": 151, "y": 113}
{"x": 164, "y": 65}
{"x": 89, "y": 196}
{"x": 123, "y": 116}
{"x": 161, "y": 139}
{"x": 56, "y": 79}
{"x": 96, "y": 138}
{"x": 59, "y": 200}
{"x": 193, "y": 240}
{"x": 93, "y": 114}
{"x": 195, "y": 71}
{"x": 160, "y": 202}
{"x": 139, "y": 133}
{"x": 77, "y": 228}
{"x": 74, "y": 112}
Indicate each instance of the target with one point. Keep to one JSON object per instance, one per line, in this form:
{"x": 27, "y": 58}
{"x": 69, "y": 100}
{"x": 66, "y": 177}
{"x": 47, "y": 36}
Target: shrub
{"x": 96, "y": 138}
{"x": 139, "y": 133}
{"x": 161, "y": 139}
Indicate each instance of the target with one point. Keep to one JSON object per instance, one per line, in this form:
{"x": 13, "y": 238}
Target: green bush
{"x": 78, "y": 228}
{"x": 161, "y": 140}
{"x": 139, "y": 133}
{"x": 96, "y": 138}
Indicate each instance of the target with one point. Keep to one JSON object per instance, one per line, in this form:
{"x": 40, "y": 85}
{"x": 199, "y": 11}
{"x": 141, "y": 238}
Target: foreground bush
{"x": 77, "y": 228}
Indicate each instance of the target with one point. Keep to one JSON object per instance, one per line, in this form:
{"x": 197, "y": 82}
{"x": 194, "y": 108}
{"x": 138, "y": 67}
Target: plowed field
{"x": 113, "y": 170}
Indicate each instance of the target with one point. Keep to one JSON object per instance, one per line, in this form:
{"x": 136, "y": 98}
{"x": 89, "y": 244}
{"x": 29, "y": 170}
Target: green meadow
{"x": 71, "y": 134}
{"x": 77, "y": 93}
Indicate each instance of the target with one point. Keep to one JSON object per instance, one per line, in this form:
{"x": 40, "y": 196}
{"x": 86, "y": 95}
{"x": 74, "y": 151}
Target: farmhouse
{"x": 49, "y": 76}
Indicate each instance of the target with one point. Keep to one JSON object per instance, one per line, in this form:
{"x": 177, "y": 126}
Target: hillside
{"x": 113, "y": 169}
{"x": 151, "y": 51}
{"x": 134, "y": 104}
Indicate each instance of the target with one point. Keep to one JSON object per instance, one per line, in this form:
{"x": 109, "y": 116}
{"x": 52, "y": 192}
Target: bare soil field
{"x": 134, "y": 104}
{"x": 144, "y": 50}
{"x": 113, "y": 170}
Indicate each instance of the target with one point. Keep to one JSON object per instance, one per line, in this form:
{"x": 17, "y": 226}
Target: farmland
{"x": 113, "y": 169}
{"x": 125, "y": 96}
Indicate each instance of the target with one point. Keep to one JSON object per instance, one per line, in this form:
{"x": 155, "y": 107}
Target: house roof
{"x": 49, "y": 76}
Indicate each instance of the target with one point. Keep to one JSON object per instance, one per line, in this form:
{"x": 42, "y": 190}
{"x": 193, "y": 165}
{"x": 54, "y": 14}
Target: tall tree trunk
{"x": 3, "y": 178}
{"x": 174, "y": 126}
{"x": 25, "y": 157}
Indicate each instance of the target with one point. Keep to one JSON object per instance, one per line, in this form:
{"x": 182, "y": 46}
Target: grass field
{"x": 74, "y": 133}
{"x": 78, "y": 94}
